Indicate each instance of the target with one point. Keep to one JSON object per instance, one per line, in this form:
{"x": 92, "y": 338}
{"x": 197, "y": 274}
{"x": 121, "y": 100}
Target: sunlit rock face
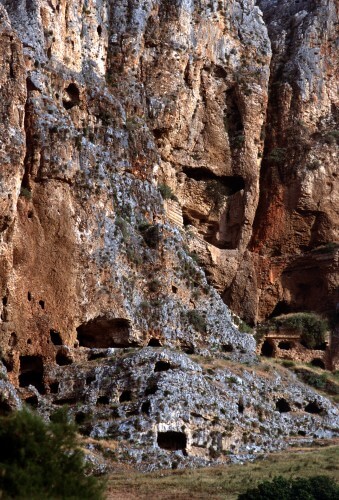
{"x": 230, "y": 108}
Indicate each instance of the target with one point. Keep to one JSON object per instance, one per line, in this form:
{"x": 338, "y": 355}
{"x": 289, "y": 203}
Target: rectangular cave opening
{"x": 31, "y": 372}
{"x": 102, "y": 333}
{"x": 172, "y": 440}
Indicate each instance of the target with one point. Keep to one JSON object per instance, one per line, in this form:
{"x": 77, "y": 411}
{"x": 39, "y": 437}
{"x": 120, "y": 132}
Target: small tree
{"x": 42, "y": 460}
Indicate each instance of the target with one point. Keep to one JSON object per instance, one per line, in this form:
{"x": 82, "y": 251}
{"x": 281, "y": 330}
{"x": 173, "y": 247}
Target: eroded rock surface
{"x": 101, "y": 103}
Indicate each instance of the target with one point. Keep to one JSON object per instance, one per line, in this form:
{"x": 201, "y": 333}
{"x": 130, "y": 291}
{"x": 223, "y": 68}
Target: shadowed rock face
{"x": 102, "y": 102}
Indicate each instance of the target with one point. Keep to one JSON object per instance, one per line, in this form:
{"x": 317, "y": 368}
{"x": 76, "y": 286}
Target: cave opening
{"x": 282, "y": 406}
{"x": 153, "y": 342}
{"x": 103, "y": 400}
{"x": 54, "y": 387}
{"x": 71, "y": 96}
{"x": 146, "y": 407}
{"x": 267, "y": 349}
{"x": 231, "y": 183}
{"x": 227, "y": 348}
{"x": 280, "y": 308}
{"x": 162, "y": 366}
{"x": 318, "y": 363}
{"x": 125, "y": 396}
{"x": 103, "y": 333}
{"x": 63, "y": 359}
{"x": 172, "y": 440}
{"x": 31, "y": 372}
{"x": 313, "y": 408}
{"x": 55, "y": 337}
{"x": 285, "y": 345}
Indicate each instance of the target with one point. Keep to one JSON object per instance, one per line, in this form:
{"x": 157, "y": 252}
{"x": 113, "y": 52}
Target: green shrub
{"x": 312, "y": 328}
{"x": 166, "y": 192}
{"x": 196, "y": 319}
{"x": 42, "y": 460}
{"x": 312, "y": 488}
{"x": 26, "y": 193}
{"x": 277, "y": 155}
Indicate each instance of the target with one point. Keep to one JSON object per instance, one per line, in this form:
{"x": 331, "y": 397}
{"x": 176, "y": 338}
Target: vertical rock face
{"x": 115, "y": 97}
{"x": 298, "y": 209}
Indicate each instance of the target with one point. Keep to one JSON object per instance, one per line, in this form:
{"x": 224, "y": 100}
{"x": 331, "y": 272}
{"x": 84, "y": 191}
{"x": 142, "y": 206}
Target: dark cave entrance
{"x": 268, "y": 349}
{"x": 172, "y": 440}
{"x": 318, "y": 363}
{"x": 104, "y": 333}
{"x": 72, "y": 96}
{"x": 31, "y": 372}
{"x": 282, "y": 406}
{"x": 285, "y": 345}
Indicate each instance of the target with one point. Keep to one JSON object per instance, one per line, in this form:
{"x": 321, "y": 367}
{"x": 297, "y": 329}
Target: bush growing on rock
{"x": 43, "y": 460}
{"x": 312, "y": 488}
{"x": 312, "y": 328}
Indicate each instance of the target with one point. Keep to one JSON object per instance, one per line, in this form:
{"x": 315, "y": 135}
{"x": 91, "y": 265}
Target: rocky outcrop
{"x": 103, "y": 102}
{"x": 163, "y": 408}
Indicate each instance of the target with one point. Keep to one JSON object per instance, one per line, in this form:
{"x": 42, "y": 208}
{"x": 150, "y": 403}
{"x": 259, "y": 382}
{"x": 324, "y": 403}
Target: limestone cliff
{"x": 229, "y": 108}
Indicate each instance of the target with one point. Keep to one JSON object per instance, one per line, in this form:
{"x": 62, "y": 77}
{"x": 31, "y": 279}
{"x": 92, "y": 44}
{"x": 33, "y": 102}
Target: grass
{"x": 224, "y": 481}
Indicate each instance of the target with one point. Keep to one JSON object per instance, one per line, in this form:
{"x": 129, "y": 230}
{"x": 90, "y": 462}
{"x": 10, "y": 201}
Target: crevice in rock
{"x": 30, "y": 141}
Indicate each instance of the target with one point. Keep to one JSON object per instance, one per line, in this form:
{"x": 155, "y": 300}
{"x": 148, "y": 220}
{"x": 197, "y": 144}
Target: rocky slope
{"x": 101, "y": 103}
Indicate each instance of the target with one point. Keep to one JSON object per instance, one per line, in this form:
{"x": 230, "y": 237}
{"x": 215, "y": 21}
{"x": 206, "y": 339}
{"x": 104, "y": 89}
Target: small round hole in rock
{"x": 282, "y": 405}
{"x": 99, "y": 30}
{"x": 42, "y": 304}
{"x": 29, "y": 296}
{"x": 227, "y": 348}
